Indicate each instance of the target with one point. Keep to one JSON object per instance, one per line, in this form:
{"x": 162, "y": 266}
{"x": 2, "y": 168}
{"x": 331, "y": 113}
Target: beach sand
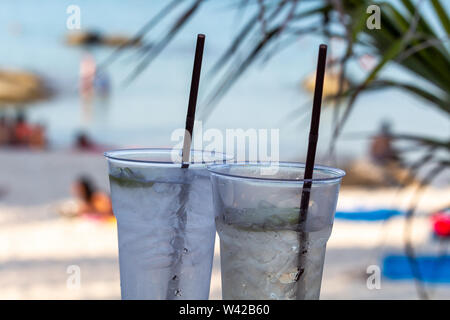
{"x": 39, "y": 250}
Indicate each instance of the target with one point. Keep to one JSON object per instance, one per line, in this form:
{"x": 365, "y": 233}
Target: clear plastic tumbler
{"x": 165, "y": 222}
{"x": 257, "y": 213}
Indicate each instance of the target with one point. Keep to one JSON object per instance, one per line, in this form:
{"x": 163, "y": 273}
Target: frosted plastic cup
{"x": 165, "y": 222}
{"x": 257, "y": 211}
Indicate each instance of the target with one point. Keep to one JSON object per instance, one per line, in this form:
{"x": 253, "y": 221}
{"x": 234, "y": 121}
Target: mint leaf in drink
{"x": 281, "y": 218}
{"x": 266, "y": 217}
{"x": 127, "y": 178}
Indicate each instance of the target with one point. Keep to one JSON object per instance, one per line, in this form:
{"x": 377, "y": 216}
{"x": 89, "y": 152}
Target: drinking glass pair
{"x": 167, "y": 217}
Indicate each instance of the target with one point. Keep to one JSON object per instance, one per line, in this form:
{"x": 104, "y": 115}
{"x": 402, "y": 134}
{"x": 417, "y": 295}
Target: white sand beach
{"x": 37, "y": 246}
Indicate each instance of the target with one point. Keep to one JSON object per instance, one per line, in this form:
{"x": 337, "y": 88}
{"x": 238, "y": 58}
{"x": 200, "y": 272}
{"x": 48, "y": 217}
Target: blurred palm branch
{"x": 405, "y": 40}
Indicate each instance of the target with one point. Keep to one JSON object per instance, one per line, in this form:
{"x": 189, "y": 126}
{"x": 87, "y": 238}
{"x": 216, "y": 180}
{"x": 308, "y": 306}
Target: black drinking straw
{"x": 309, "y": 166}
{"x": 173, "y": 288}
{"x": 190, "y": 117}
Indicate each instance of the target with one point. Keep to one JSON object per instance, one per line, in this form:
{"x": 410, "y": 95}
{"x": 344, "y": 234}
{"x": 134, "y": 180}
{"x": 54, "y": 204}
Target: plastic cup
{"x": 257, "y": 221}
{"x": 165, "y": 222}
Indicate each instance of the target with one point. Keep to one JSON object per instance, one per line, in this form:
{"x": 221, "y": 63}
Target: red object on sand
{"x": 441, "y": 223}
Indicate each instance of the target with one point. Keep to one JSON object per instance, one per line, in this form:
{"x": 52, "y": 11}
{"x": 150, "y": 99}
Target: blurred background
{"x": 80, "y": 77}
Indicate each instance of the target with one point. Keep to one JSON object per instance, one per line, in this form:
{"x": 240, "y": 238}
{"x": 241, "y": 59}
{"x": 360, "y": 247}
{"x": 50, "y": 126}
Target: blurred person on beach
{"x": 381, "y": 150}
{"x": 387, "y": 158}
{"x": 92, "y": 201}
{"x": 88, "y": 70}
{"x": 38, "y": 138}
{"x": 5, "y": 131}
{"x": 84, "y": 143}
{"x": 22, "y": 134}
{"x": 89, "y": 202}
{"x": 102, "y": 84}
{"x": 21, "y": 131}
{"x": 102, "y": 88}
{"x": 382, "y": 167}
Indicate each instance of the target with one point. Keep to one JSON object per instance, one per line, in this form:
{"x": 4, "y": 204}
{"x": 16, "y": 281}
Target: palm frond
{"x": 141, "y": 33}
{"x": 442, "y": 15}
{"x": 159, "y": 47}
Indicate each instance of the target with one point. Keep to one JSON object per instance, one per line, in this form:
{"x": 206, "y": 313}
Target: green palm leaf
{"x": 443, "y": 17}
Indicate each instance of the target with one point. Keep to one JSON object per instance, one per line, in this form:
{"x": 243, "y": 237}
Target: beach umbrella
{"x": 330, "y": 86}
{"x": 92, "y": 38}
{"x": 21, "y": 87}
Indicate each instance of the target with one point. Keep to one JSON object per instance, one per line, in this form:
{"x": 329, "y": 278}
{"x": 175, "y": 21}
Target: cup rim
{"x": 337, "y": 174}
{"x": 121, "y": 155}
